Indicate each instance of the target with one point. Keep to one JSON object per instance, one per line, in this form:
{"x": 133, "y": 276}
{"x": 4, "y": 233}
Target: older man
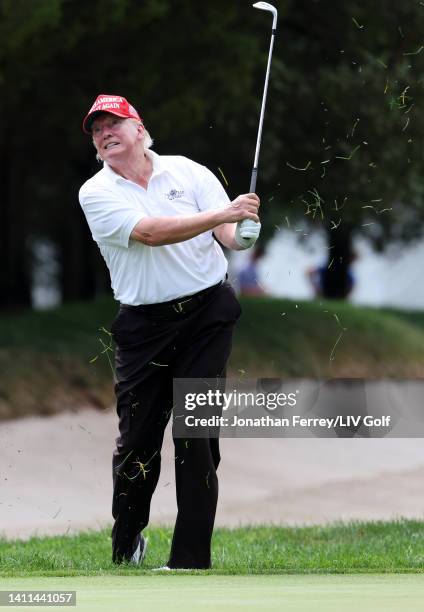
{"x": 154, "y": 219}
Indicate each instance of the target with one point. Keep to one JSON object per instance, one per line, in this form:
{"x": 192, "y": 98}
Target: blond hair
{"x": 147, "y": 140}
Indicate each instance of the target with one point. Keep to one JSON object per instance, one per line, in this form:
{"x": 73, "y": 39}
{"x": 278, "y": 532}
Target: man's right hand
{"x": 243, "y": 207}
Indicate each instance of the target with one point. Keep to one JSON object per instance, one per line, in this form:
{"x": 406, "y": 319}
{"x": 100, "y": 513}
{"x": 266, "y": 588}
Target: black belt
{"x": 182, "y": 305}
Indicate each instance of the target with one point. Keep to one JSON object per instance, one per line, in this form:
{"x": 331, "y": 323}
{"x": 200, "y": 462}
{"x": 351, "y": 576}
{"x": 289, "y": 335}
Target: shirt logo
{"x": 173, "y": 194}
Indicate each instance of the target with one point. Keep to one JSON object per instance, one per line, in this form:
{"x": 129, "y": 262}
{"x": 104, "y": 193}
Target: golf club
{"x": 264, "y": 6}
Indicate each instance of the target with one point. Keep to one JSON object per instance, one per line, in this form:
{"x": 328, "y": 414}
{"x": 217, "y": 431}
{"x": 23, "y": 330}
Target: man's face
{"x": 115, "y": 137}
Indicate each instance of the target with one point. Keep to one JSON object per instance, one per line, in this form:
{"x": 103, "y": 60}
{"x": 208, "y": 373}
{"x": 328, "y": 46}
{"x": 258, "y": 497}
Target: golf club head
{"x": 265, "y": 6}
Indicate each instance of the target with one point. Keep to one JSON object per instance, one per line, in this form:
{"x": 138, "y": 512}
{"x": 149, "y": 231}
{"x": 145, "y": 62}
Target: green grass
{"x": 58, "y": 359}
{"x": 183, "y": 593}
{"x": 327, "y": 339}
{"x": 342, "y": 548}
{"x": 46, "y": 359}
{"x": 371, "y": 567}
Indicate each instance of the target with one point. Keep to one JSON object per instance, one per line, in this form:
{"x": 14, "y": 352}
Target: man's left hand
{"x": 247, "y": 235}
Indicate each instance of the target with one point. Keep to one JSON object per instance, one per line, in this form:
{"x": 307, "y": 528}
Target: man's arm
{"x": 158, "y": 231}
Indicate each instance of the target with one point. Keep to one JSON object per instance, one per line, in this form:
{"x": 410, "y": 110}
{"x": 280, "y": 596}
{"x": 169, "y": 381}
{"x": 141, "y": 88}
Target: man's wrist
{"x": 218, "y": 217}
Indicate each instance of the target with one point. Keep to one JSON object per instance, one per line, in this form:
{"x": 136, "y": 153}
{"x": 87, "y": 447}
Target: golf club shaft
{"x": 244, "y": 226}
{"x": 261, "y": 119}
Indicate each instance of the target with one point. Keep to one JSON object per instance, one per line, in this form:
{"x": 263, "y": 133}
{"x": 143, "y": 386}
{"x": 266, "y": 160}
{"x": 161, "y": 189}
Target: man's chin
{"x": 110, "y": 155}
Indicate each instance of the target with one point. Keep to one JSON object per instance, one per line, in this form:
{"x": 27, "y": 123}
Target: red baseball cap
{"x": 105, "y": 103}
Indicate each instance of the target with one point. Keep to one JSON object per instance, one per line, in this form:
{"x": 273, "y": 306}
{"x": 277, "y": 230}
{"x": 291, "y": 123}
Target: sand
{"x": 56, "y": 477}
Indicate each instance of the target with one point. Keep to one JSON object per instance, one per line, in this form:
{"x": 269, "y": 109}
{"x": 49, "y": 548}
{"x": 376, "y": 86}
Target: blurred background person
{"x": 334, "y": 279}
{"x": 248, "y": 278}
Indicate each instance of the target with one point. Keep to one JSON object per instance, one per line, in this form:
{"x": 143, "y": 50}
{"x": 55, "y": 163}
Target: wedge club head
{"x": 265, "y": 6}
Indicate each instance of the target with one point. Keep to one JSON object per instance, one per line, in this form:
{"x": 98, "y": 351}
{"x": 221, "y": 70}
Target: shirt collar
{"x": 157, "y": 161}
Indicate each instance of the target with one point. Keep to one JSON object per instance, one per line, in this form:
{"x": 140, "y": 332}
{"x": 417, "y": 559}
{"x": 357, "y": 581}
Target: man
{"x": 154, "y": 219}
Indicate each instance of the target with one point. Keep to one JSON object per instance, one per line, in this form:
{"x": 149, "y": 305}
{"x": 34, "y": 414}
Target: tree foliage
{"x": 342, "y": 133}
{"x": 349, "y": 115}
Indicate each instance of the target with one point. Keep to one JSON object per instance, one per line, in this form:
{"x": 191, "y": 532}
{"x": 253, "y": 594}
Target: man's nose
{"x": 105, "y": 131}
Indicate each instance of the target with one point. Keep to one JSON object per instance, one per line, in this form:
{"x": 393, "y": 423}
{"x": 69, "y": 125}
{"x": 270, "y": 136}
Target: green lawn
{"x": 68, "y": 350}
{"x": 182, "y": 593}
{"x": 354, "y": 567}
{"x": 342, "y": 548}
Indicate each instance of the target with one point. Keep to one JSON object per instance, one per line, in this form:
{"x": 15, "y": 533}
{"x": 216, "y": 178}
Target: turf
{"x": 342, "y": 548}
{"x": 327, "y": 340}
{"x": 182, "y": 593}
{"x": 69, "y": 350}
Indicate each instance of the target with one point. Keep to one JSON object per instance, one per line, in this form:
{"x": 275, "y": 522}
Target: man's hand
{"x": 243, "y": 207}
{"x": 247, "y": 235}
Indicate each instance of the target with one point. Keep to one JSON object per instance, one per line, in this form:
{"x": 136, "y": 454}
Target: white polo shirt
{"x": 142, "y": 274}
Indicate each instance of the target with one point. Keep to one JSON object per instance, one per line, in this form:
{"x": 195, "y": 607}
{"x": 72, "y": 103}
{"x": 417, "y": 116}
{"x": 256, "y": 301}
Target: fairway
{"x": 388, "y": 592}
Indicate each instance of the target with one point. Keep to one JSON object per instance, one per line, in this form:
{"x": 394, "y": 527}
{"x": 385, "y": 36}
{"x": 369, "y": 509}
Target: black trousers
{"x": 151, "y": 351}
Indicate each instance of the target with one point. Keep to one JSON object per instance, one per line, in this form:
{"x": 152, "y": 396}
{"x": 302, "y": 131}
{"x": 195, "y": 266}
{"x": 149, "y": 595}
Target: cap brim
{"x": 88, "y": 121}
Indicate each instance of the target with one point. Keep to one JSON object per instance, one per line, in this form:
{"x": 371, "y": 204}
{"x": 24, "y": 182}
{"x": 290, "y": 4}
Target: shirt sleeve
{"x": 110, "y": 217}
{"x": 210, "y": 194}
